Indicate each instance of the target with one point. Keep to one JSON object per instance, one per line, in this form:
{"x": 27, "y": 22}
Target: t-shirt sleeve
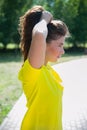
{"x": 29, "y": 76}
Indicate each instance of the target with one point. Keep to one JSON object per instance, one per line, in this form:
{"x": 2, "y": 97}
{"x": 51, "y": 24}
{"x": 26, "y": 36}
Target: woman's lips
{"x": 58, "y": 56}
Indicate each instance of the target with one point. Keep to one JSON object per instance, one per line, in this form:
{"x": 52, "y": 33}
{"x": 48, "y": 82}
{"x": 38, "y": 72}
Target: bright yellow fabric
{"x": 43, "y": 91}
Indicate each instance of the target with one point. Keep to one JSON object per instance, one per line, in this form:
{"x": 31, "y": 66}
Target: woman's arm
{"x": 37, "y": 50}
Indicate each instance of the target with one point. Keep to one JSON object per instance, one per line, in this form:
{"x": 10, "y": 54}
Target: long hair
{"x": 56, "y": 28}
{"x": 27, "y": 22}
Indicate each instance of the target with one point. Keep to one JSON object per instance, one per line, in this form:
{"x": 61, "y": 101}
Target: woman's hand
{"x": 47, "y": 16}
{"x": 41, "y": 26}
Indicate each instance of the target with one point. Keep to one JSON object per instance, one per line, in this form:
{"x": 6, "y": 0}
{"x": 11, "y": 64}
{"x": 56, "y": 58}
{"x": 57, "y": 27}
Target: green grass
{"x": 10, "y": 86}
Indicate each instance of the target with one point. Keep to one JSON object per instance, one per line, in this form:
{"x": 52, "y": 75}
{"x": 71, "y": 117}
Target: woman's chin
{"x": 55, "y": 60}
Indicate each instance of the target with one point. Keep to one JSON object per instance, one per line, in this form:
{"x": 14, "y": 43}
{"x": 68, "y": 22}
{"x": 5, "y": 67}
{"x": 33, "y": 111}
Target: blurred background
{"x": 72, "y": 12}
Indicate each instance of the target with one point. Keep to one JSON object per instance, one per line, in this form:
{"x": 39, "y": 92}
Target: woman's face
{"x": 54, "y": 49}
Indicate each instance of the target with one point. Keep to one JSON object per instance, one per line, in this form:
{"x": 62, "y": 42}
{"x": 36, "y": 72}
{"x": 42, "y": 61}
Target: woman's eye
{"x": 60, "y": 45}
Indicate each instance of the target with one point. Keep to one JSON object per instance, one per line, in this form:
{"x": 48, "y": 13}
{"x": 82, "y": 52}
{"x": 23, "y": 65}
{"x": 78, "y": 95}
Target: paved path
{"x": 74, "y": 75}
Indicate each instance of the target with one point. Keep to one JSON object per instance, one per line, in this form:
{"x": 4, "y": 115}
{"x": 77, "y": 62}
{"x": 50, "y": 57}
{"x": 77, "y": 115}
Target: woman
{"x": 42, "y": 40}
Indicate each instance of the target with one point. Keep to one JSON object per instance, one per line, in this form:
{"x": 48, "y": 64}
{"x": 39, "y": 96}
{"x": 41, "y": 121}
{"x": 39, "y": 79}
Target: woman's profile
{"x": 42, "y": 40}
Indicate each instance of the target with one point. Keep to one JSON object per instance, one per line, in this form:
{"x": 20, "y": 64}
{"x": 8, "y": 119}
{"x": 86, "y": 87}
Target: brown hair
{"x": 27, "y": 22}
{"x": 56, "y": 29}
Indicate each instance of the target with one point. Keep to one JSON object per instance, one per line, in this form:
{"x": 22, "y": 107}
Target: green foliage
{"x": 58, "y": 9}
{"x": 72, "y": 12}
{"x": 9, "y": 16}
{"x": 80, "y": 24}
{"x": 10, "y": 86}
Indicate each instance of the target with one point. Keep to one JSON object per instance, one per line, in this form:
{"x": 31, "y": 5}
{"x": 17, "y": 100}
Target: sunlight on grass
{"x": 10, "y": 87}
{"x": 12, "y": 45}
{"x": 1, "y": 45}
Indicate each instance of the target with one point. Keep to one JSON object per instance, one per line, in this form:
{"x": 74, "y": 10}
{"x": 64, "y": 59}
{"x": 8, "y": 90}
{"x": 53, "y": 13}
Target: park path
{"x": 74, "y": 75}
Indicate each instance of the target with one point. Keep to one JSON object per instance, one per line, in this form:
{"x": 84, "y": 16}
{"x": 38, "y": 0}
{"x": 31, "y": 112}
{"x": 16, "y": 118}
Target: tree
{"x": 80, "y": 28}
{"x": 11, "y": 10}
{"x": 58, "y": 9}
{"x": 72, "y": 12}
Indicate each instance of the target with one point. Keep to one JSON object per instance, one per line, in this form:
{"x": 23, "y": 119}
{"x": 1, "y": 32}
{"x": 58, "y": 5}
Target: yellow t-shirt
{"x": 43, "y": 91}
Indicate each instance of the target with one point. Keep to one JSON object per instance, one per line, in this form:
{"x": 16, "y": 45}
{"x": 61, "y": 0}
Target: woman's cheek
{"x": 57, "y": 50}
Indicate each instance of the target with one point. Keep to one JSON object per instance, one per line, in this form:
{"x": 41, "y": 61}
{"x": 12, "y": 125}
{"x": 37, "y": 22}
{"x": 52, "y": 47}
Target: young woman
{"x": 42, "y": 40}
